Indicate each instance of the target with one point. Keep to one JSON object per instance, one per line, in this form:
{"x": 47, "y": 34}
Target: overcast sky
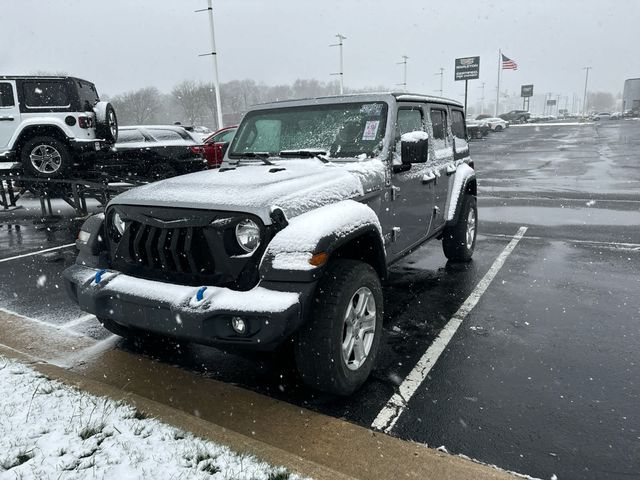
{"x": 125, "y": 44}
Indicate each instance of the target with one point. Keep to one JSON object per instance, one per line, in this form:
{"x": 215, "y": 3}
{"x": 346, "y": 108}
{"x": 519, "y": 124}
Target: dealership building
{"x": 631, "y": 95}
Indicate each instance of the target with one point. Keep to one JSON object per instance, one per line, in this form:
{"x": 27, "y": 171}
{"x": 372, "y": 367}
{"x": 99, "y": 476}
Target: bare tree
{"x": 192, "y": 98}
{"x": 138, "y": 107}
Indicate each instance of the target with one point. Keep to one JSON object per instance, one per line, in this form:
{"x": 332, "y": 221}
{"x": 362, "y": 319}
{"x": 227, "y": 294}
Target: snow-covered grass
{"x": 51, "y": 430}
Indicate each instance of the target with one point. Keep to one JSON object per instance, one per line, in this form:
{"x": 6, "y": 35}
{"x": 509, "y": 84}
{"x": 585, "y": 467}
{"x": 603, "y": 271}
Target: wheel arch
{"x": 31, "y": 131}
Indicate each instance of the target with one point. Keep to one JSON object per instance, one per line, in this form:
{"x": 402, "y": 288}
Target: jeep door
{"x": 412, "y": 189}
{"x": 440, "y": 161}
{"x": 9, "y": 113}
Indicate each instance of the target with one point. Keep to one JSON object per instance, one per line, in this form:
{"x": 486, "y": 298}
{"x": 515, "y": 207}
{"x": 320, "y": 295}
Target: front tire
{"x": 45, "y": 157}
{"x": 498, "y": 128}
{"x": 459, "y": 240}
{"x": 336, "y": 349}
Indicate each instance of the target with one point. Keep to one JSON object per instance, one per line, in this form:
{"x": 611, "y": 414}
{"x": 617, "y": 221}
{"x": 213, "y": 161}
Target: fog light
{"x": 238, "y": 325}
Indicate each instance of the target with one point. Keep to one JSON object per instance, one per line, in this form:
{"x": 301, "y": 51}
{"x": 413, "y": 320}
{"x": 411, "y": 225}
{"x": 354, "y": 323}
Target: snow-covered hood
{"x": 296, "y": 186}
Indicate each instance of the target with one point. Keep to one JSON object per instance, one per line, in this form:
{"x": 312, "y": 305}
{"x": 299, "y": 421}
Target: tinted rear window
{"x": 46, "y": 94}
{"x": 88, "y": 94}
{"x": 129, "y": 136}
{"x": 166, "y": 135}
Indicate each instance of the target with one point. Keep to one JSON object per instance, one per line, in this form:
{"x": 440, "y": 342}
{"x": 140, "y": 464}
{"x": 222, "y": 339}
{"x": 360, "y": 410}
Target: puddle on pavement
{"x": 553, "y": 217}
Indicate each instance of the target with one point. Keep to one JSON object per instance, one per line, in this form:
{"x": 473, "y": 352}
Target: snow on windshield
{"x": 340, "y": 130}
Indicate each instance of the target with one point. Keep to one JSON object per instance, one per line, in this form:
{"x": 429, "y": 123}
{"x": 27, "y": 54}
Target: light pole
{"x": 441, "y": 77}
{"x": 341, "y": 72}
{"x": 214, "y": 56}
{"x": 482, "y": 98}
{"x": 404, "y": 63}
{"x": 584, "y": 98}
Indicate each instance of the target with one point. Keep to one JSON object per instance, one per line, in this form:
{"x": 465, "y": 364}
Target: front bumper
{"x": 270, "y": 312}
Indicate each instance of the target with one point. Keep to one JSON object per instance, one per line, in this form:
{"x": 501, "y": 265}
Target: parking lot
{"x": 541, "y": 375}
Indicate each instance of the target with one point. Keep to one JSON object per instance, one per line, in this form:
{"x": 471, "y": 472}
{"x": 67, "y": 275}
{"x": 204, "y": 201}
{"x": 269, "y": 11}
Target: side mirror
{"x": 414, "y": 147}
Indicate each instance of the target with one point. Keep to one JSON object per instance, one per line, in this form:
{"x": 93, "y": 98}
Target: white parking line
{"x": 631, "y": 247}
{"x": 388, "y": 416}
{"x": 37, "y": 253}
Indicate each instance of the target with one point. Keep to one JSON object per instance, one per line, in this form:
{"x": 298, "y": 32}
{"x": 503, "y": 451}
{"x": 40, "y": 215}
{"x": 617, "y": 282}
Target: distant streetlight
{"x": 214, "y": 56}
{"x": 482, "y": 98}
{"x": 584, "y": 98}
{"x": 404, "y": 77}
{"x": 441, "y": 73}
{"x": 341, "y": 72}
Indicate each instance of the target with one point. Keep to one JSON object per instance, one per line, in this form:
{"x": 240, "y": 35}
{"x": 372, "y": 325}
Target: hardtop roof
{"x": 43, "y": 77}
{"x": 399, "y": 96}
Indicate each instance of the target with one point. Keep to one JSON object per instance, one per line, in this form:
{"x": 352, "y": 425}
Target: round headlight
{"x": 118, "y": 223}
{"x": 248, "y": 235}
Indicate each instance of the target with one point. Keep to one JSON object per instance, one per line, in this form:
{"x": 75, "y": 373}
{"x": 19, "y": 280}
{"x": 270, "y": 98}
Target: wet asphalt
{"x": 542, "y": 377}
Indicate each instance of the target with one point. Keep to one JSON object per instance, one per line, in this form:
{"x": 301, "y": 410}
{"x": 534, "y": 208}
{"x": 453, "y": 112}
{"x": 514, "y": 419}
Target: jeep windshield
{"x": 341, "y": 130}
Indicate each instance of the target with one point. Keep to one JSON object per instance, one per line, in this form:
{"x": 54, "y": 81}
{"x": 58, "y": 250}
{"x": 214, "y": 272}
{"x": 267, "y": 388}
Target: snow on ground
{"x": 51, "y": 430}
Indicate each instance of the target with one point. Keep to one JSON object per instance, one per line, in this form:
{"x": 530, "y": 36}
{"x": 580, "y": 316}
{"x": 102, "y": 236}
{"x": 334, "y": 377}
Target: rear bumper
{"x": 271, "y": 312}
{"x": 88, "y": 146}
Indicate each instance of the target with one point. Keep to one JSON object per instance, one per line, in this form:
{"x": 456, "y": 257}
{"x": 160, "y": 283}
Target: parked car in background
{"x": 516, "y": 116}
{"x": 53, "y": 125}
{"x": 199, "y": 131}
{"x": 601, "y": 116}
{"x": 496, "y": 124}
{"x": 216, "y": 144}
{"x": 153, "y": 152}
{"x": 616, "y": 116}
{"x": 477, "y": 129}
{"x": 483, "y": 116}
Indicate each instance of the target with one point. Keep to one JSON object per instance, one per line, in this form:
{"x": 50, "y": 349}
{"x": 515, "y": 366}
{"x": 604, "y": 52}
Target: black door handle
{"x": 6, "y": 119}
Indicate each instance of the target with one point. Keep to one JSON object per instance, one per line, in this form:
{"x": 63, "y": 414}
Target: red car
{"x": 216, "y": 144}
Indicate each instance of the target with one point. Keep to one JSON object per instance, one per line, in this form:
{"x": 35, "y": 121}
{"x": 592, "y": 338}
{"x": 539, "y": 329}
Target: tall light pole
{"x": 482, "y": 98}
{"x": 404, "y": 76}
{"x": 441, "y": 77}
{"x": 214, "y": 56}
{"x": 584, "y": 98}
{"x": 341, "y": 72}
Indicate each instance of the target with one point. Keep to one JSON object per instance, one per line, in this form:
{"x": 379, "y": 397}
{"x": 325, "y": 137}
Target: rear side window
{"x": 439, "y": 123}
{"x": 457, "y": 124}
{"x": 46, "y": 94}
{"x": 224, "y": 137}
{"x": 6, "y": 95}
{"x": 88, "y": 94}
{"x": 409, "y": 121}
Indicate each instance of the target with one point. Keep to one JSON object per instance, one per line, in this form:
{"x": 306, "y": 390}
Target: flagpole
{"x": 498, "y": 90}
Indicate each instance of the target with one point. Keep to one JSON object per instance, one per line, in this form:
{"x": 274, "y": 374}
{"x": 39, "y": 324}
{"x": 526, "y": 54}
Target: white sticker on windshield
{"x": 371, "y": 130}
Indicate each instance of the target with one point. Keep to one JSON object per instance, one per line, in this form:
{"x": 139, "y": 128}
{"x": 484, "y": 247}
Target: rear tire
{"x": 336, "y": 349}
{"x": 498, "y": 128}
{"x": 45, "y": 157}
{"x": 459, "y": 240}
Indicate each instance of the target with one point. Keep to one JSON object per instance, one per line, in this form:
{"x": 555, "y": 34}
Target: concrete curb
{"x": 301, "y": 440}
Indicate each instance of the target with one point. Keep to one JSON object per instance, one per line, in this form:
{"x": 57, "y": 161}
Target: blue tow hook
{"x": 99, "y": 274}
{"x": 200, "y": 294}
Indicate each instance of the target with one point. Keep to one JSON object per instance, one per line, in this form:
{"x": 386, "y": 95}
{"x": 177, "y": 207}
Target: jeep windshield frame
{"x": 347, "y": 130}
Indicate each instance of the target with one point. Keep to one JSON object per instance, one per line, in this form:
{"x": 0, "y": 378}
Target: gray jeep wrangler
{"x": 290, "y": 239}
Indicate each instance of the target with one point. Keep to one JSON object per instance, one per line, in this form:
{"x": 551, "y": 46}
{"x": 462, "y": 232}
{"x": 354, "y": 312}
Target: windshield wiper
{"x": 264, "y": 156}
{"x": 306, "y": 153}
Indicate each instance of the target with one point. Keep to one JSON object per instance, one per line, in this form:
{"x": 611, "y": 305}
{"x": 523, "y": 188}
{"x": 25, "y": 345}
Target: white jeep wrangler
{"x": 50, "y": 124}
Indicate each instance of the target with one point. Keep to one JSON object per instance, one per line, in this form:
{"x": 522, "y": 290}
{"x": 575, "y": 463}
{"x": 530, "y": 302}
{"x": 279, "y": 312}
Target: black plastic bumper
{"x": 270, "y": 313}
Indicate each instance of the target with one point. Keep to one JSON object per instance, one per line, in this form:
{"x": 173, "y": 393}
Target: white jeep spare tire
{"x": 106, "y": 122}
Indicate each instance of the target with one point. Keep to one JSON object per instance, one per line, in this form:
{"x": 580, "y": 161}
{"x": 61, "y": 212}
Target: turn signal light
{"x": 318, "y": 259}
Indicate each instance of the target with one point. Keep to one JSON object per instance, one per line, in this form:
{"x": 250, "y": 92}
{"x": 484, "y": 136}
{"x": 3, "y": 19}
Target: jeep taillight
{"x": 85, "y": 122}
{"x": 197, "y": 150}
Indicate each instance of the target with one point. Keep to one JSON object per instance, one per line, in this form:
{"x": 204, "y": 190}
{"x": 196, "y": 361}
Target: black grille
{"x": 184, "y": 246}
{"x": 172, "y": 250}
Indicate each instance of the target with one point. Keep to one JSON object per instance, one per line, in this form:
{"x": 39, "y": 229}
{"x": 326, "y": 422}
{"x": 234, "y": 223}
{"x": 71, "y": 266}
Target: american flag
{"x": 508, "y": 64}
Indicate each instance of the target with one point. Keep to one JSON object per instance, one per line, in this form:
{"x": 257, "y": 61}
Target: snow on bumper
{"x": 196, "y": 313}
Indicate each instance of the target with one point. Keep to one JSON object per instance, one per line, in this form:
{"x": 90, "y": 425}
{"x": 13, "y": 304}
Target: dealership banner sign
{"x": 467, "y": 68}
